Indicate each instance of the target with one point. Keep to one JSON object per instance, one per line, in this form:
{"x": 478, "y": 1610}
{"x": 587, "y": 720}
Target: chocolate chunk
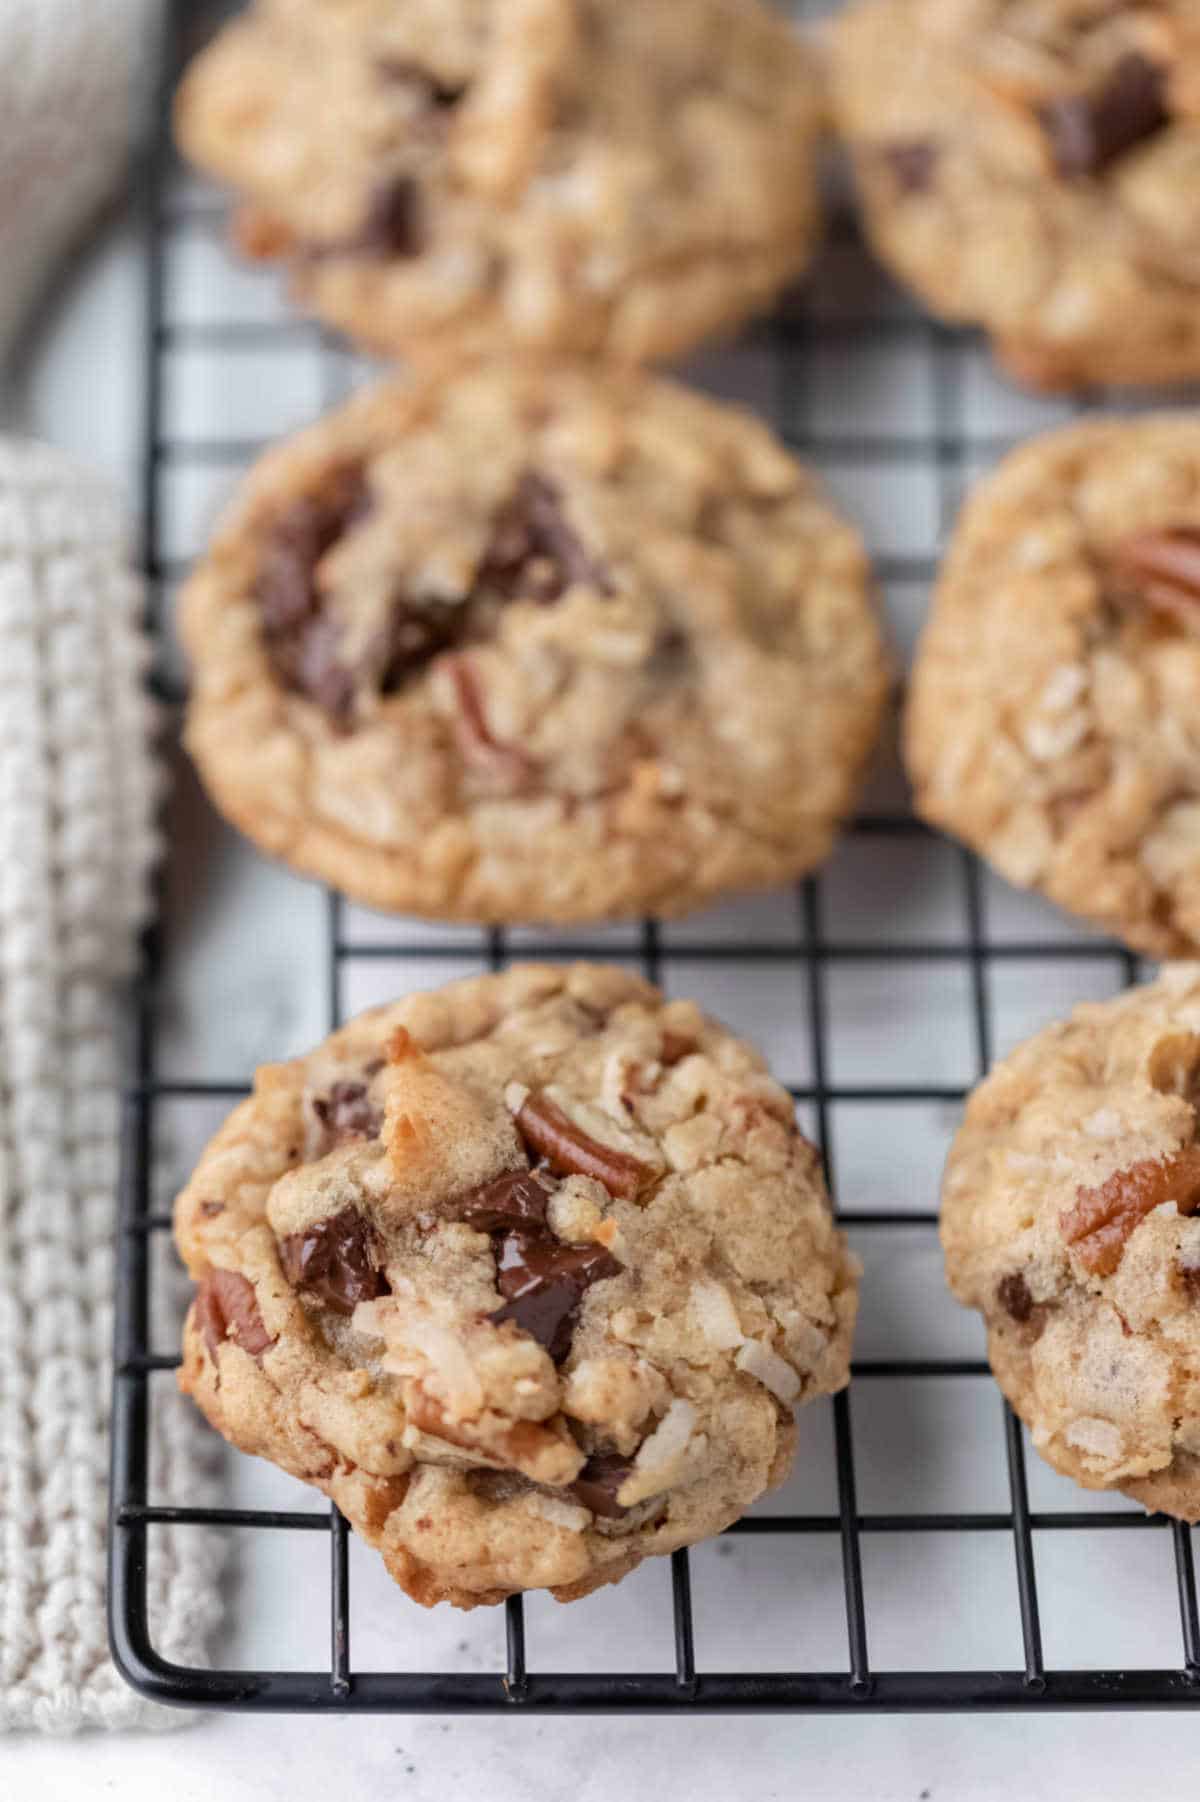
{"x": 1189, "y": 1276}
{"x": 334, "y": 1260}
{"x": 675, "y": 1047}
{"x": 534, "y": 554}
{"x": 301, "y": 644}
{"x": 1163, "y": 569}
{"x": 416, "y": 631}
{"x": 226, "y": 1308}
{"x": 348, "y": 1113}
{"x": 395, "y": 221}
{"x": 436, "y": 96}
{"x": 516, "y": 1199}
{"x": 1012, "y": 1292}
{"x": 597, "y": 1484}
{"x": 1089, "y": 131}
{"x": 912, "y": 164}
{"x": 570, "y": 1151}
{"x": 543, "y": 1282}
{"x": 210, "y": 1209}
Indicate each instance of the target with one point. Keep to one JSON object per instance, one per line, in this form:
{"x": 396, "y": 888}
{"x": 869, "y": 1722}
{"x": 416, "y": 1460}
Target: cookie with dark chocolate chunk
{"x": 537, "y": 642}
{"x": 1032, "y": 168}
{"x": 1071, "y": 1221}
{"x": 531, "y": 1295}
{"x": 473, "y": 175}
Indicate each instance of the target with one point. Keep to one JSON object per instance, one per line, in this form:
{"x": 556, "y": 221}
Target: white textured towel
{"x": 76, "y": 849}
{"x": 71, "y": 78}
{"x": 77, "y": 789}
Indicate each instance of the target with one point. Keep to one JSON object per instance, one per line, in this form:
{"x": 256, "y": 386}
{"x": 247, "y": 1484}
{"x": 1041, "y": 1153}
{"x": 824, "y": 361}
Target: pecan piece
{"x": 1086, "y": 132}
{"x": 335, "y": 1261}
{"x": 1163, "y": 569}
{"x": 570, "y": 1151}
{"x": 1102, "y": 1219}
{"x": 476, "y": 741}
{"x": 226, "y": 1308}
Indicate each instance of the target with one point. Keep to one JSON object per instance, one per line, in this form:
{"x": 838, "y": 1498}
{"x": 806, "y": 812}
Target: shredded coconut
{"x": 659, "y": 1456}
{"x": 772, "y": 1371}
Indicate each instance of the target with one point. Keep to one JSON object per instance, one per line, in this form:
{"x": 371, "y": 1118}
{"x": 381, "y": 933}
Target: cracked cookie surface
{"x": 1071, "y": 1220}
{"x": 527, "y": 1273}
{"x": 454, "y": 176}
{"x": 1033, "y": 166}
{"x": 1052, "y": 719}
{"x": 535, "y": 644}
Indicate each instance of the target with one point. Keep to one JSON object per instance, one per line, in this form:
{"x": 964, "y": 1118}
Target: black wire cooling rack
{"x": 854, "y": 1682}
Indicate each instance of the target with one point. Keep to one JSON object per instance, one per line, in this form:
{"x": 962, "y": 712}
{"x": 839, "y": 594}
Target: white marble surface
{"x": 248, "y": 982}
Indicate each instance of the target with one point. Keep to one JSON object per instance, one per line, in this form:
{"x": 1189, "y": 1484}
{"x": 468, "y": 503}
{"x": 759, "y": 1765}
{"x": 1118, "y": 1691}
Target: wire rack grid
{"x": 870, "y": 438}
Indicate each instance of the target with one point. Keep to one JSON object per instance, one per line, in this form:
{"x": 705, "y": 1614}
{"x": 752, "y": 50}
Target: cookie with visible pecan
{"x": 535, "y": 643}
{"x": 1033, "y": 166}
{"x": 1071, "y": 1220}
{"x": 527, "y": 1273}
{"x": 1052, "y": 715}
{"x": 462, "y": 176}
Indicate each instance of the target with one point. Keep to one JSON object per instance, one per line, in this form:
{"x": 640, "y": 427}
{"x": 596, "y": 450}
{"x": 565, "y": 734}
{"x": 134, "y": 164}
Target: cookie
{"x": 1071, "y": 1220}
{"x": 1033, "y": 166}
{"x": 457, "y": 176}
{"x": 1052, "y": 720}
{"x": 545, "y": 643}
{"x": 527, "y": 1274}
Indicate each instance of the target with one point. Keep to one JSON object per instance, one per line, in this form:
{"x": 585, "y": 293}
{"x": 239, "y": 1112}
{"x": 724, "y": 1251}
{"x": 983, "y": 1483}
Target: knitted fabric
{"x": 77, "y": 790}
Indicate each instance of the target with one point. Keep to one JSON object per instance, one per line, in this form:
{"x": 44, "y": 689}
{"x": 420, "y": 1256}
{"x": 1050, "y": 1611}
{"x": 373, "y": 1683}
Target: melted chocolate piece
{"x": 543, "y": 1282}
{"x": 226, "y": 1308}
{"x": 395, "y": 221}
{"x": 1012, "y": 1292}
{"x": 301, "y": 643}
{"x": 597, "y": 1484}
{"x": 437, "y": 96}
{"x": 534, "y": 553}
{"x": 333, "y": 1260}
{"x": 518, "y": 1199}
{"x": 347, "y": 1112}
{"x": 1189, "y": 1276}
{"x": 415, "y": 633}
{"x": 912, "y": 164}
{"x": 1089, "y": 131}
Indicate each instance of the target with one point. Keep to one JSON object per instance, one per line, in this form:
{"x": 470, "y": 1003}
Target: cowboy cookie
{"x": 1033, "y": 166}
{"x": 1071, "y": 1220}
{"x": 528, "y": 1274}
{"x": 535, "y": 643}
{"x": 457, "y": 176}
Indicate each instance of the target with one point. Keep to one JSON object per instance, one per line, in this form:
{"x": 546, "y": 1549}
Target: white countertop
{"x": 83, "y": 391}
